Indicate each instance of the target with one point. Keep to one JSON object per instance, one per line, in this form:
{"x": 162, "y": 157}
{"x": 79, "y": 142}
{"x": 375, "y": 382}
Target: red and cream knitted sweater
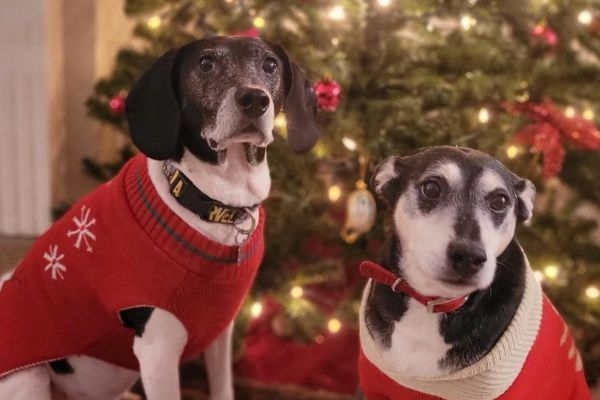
{"x": 120, "y": 247}
{"x": 536, "y": 358}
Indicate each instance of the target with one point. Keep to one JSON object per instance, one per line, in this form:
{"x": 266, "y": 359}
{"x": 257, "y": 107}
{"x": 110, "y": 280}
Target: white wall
{"x": 53, "y": 51}
{"x": 25, "y": 94}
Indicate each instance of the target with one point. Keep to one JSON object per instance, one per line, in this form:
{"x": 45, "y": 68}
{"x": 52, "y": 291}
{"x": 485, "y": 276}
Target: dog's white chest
{"x": 417, "y": 345}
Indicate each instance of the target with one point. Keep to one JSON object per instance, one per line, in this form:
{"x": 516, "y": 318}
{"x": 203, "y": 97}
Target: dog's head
{"x": 455, "y": 211}
{"x": 216, "y": 91}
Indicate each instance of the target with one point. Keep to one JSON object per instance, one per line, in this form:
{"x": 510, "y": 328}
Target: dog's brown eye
{"x": 206, "y": 64}
{"x": 499, "y": 203}
{"x": 270, "y": 66}
{"x": 431, "y": 189}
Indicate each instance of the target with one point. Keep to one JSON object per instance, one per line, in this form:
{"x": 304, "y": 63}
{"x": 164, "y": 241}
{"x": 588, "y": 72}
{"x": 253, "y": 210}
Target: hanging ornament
{"x": 117, "y": 104}
{"x": 328, "y": 93}
{"x": 549, "y": 129}
{"x": 360, "y": 213}
{"x": 594, "y": 25}
{"x": 545, "y": 36}
{"x": 252, "y": 32}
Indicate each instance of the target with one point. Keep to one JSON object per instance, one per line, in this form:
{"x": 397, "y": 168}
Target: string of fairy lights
{"x": 550, "y": 273}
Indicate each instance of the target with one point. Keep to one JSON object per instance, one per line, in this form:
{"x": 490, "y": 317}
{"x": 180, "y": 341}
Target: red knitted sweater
{"x": 117, "y": 248}
{"x": 550, "y": 371}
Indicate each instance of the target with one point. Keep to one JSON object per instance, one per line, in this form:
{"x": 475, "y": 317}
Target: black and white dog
{"x": 203, "y": 118}
{"x": 453, "y": 310}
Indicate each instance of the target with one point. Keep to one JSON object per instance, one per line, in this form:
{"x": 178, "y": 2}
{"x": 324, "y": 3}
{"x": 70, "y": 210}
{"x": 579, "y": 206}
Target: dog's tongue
{"x": 254, "y": 154}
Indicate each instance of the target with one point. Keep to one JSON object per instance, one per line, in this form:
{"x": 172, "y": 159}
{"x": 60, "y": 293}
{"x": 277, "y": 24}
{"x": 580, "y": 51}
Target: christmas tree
{"x": 516, "y": 79}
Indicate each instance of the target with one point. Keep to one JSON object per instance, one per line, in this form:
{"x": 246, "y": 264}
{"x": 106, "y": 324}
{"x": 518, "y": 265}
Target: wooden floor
{"x": 11, "y": 251}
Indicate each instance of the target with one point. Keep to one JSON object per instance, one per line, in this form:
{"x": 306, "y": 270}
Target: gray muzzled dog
{"x": 452, "y": 309}
{"x": 154, "y": 265}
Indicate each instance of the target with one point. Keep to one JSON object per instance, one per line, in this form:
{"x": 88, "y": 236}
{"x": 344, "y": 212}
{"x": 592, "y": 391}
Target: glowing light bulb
{"x": 334, "y": 325}
{"x": 337, "y": 13}
{"x": 259, "y": 22}
{"x": 592, "y": 292}
{"x": 334, "y": 193}
{"x": 588, "y": 114}
{"x": 539, "y": 29}
{"x": 335, "y": 41}
{"x": 280, "y": 121}
{"x": 483, "y": 116}
{"x": 384, "y": 3}
{"x": 320, "y": 150}
{"x": 467, "y": 22}
{"x": 296, "y": 292}
{"x": 551, "y": 272}
{"x": 349, "y": 143}
{"x": 256, "y": 309}
{"x": 585, "y": 17}
{"x": 154, "y": 22}
{"x": 570, "y": 112}
{"x": 512, "y": 151}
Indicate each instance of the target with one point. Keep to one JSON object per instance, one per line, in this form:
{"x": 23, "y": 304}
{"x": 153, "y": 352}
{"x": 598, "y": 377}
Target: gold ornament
{"x": 360, "y": 213}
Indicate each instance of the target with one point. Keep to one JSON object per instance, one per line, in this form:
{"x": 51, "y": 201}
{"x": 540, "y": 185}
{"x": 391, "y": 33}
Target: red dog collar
{"x": 434, "y": 304}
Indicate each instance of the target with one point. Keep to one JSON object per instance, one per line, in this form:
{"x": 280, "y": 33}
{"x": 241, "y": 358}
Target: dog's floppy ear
{"x": 300, "y": 105}
{"x": 153, "y": 111}
{"x": 525, "y": 191}
{"x": 384, "y": 180}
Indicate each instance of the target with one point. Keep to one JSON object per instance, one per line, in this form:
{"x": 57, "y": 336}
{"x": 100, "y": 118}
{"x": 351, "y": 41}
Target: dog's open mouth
{"x": 254, "y": 154}
{"x": 253, "y": 140}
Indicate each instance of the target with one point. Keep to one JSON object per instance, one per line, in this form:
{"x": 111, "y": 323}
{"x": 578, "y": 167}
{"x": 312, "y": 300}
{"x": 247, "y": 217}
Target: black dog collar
{"x": 207, "y": 208}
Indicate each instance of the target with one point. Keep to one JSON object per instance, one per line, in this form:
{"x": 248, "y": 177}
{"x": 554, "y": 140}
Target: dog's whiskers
{"x": 507, "y": 268}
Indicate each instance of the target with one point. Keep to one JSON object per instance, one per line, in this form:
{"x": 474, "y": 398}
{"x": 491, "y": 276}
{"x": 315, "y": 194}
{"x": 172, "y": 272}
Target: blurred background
{"x": 515, "y": 78}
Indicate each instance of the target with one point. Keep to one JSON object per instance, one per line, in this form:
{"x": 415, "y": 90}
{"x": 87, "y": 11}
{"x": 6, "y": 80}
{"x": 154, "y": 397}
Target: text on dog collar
{"x": 207, "y": 208}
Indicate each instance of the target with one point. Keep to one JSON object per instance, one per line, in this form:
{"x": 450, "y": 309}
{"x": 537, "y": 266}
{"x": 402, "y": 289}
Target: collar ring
{"x": 243, "y": 234}
{"x": 395, "y": 285}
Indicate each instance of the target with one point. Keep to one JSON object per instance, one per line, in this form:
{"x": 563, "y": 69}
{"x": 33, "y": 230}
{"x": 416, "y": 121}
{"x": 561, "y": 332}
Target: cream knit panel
{"x": 491, "y": 376}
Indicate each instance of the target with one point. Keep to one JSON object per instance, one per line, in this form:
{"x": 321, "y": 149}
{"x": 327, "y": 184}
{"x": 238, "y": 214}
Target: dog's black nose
{"x": 467, "y": 257}
{"x": 253, "y": 102}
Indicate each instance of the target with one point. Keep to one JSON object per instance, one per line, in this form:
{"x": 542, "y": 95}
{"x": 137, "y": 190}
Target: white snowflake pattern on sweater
{"x": 83, "y": 232}
{"x": 54, "y": 262}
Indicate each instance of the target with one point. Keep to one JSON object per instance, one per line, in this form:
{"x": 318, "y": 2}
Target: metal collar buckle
{"x": 432, "y": 303}
{"x": 243, "y": 234}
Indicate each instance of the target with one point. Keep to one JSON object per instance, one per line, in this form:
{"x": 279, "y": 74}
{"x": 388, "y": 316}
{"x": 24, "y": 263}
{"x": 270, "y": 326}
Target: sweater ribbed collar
{"x": 172, "y": 234}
